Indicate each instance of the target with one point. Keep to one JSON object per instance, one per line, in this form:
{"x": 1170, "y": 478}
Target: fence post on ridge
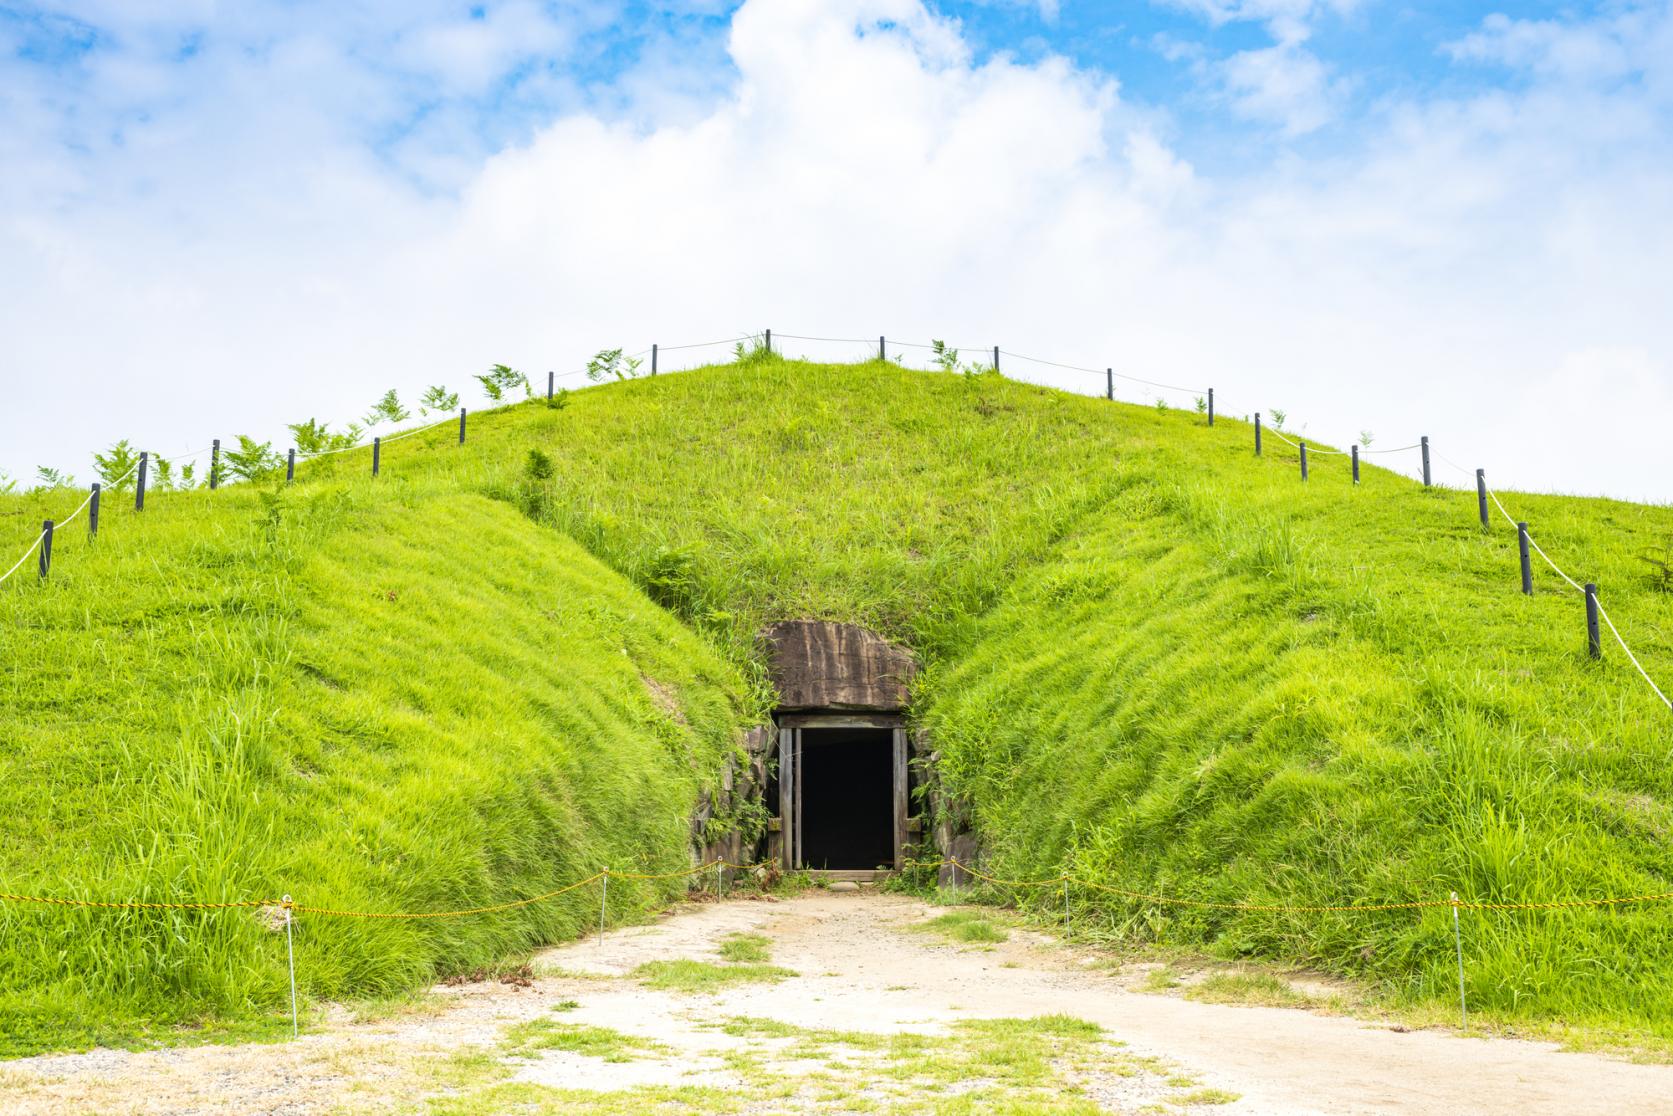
{"x": 1257, "y": 433}
{"x": 882, "y": 349}
{"x": 1356, "y": 462}
{"x": 93, "y": 513}
{"x": 377, "y": 444}
{"x": 996, "y": 358}
{"x": 1594, "y": 641}
{"x": 1527, "y": 565}
{"x": 290, "y": 465}
{"x": 46, "y": 547}
{"x": 461, "y": 426}
{"x": 1211, "y": 406}
{"x": 552, "y": 379}
{"x": 654, "y": 354}
{"x": 1481, "y": 495}
{"x": 1304, "y": 461}
{"x": 215, "y": 465}
{"x": 1109, "y": 384}
{"x": 139, "y": 489}
{"x": 769, "y": 340}
{"x": 1425, "y": 444}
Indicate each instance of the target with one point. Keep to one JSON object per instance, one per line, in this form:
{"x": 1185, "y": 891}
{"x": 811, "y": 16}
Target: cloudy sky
{"x": 1401, "y": 216}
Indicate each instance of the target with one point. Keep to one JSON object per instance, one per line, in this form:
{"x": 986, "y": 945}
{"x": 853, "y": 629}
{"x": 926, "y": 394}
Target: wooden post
{"x": 93, "y": 514}
{"x": 1257, "y": 433}
{"x": 461, "y": 426}
{"x": 1594, "y": 641}
{"x": 215, "y": 465}
{"x": 1109, "y": 384}
{"x": 290, "y": 465}
{"x": 1304, "y": 461}
{"x": 1425, "y": 444}
{"x": 46, "y": 547}
{"x": 1356, "y": 462}
{"x": 139, "y": 489}
{"x": 1527, "y": 564}
{"x": 1481, "y": 496}
{"x": 377, "y": 444}
{"x": 1211, "y": 406}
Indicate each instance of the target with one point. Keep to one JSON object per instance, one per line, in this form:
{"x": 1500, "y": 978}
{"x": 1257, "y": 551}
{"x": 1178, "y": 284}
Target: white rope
{"x": 800, "y": 337}
{"x": 1396, "y": 449}
{"x": 1104, "y": 372}
{"x": 1601, "y": 611}
{"x": 25, "y": 557}
{"x": 65, "y": 522}
{"x": 724, "y": 341}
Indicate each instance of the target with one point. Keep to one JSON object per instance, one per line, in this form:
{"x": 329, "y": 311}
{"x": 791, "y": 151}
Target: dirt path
{"x": 765, "y": 1046}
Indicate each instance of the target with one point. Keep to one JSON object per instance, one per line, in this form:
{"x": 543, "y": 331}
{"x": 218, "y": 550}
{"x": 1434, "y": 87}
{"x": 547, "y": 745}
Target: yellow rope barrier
{"x": 299, "y": 908}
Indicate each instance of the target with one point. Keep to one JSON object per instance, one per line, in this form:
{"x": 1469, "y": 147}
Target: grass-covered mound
{"x": 1160, "y": 661}
{"x": 1152, "y": 658}
{"x": 380, "y": 698}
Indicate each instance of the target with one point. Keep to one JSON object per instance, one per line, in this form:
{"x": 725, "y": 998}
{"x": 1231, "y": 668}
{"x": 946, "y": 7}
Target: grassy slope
{"x": 389, "y": 698}
{"x": 1178, "y": 667}
{"x": 1149, "y": 652}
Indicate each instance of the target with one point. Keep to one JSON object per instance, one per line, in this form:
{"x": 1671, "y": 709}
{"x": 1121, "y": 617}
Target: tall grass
{"x": 1150, "y": 656}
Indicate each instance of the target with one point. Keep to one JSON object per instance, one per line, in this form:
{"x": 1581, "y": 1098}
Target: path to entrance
{"x": 879, "y": 1016}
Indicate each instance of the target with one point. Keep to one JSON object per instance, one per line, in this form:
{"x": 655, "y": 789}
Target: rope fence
{"x": 1065, "y": 880}
{"x": 1597, "y": 615}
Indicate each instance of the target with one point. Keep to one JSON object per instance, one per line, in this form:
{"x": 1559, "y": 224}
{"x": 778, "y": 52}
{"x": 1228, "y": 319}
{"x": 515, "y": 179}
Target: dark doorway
{"x": 847, "y": 789}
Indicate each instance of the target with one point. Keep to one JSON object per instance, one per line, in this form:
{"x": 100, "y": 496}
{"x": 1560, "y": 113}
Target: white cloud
{"x": 1284, "y": 85}
{"x": 1465, "y": 273}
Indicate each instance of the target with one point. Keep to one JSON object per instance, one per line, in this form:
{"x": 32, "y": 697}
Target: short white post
{"x": 603, "y": 902}
{"x": 1458, "y": 940}
{"x": 290, "y": 953}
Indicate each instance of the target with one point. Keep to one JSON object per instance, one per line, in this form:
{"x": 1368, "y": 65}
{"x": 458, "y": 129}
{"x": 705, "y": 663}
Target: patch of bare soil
{"x": 878, "y": 1016}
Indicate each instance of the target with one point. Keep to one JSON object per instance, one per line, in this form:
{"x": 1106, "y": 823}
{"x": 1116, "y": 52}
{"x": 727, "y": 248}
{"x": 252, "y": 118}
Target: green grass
{"x": 524, "y": 1040}
{"x": 965, "y": 926}
{"x": 685, "y": 975}
{"x": 1151, "y": 659}
{"x": 1247, "y": 988}
{"x": 746, "y": 947}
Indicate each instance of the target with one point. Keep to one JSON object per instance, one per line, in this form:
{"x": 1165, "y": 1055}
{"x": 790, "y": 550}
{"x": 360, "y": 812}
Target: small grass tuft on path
{"x": 965, "y": 926}
{"x": 685, "y": 975}
{"x": 749, "y": 948}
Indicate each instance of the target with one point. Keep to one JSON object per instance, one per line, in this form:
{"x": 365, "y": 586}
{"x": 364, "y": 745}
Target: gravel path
{"x": 858, "y": 969}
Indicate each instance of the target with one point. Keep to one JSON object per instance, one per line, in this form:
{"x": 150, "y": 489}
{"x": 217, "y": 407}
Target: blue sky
{"x": 1410, "y": 217}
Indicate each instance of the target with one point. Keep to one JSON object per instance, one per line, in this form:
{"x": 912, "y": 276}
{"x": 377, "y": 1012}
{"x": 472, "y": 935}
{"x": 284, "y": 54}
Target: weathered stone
{"x": 816, "y": 664}
{"x": 844, "y": 885}
{"x": 962, "y": 848}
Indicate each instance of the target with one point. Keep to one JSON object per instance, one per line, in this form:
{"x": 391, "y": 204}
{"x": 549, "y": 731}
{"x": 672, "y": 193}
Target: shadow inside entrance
{"x": 847, "y": 797}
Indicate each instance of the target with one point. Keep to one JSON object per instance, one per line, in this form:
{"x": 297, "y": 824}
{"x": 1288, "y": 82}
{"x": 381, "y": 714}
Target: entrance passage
{"x": 847, "y": 792}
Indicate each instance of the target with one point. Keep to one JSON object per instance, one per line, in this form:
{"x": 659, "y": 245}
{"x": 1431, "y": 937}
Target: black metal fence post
{"x": 1257, "y": 433}
{"x": 377, "y": 444}
{"x": 290, "y": 465}
{"x": 882, "y": 349}
{"x": 769, "y": 340}
{"x": 1356, "y": 463}
{"x": 461, "y": 426}
{"x": 655, "y": 351}
{"x": 1481, "y": 495}
{"x": 552, "y": 377}
{"x": 46, "y": 547}
{"x": 139, "y": 489}
{"x": 215, "y": 465}
{"x": 1594, "y": 640}
{"x": 1211, "y": 406}
{"x": 1425, "y": 444}
{"x": 93, "y": 514}
{"x": 1304, "y": 461}
{"x": 1527, "y": 562}
{"x": 1109, "y": 384}
{"x": 996, "y": 358}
